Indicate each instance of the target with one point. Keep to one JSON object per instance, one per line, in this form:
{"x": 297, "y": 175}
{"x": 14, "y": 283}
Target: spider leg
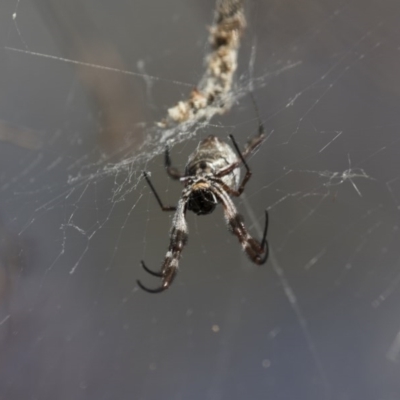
{"x": 164, "y": 208}
{"x": 233, "y": 166}
{"x": 157, "y": 290}
{"x": 167, "y": 280}
{"x": 158, "y": 274}
{"x": 178, "y": 239}
{"x": 253, "y": 143}
{"x": 251, "y": 146}
{"x": 171, "y": 171}
{"x": 264, "y": 243}
{"x": 256, "y": 251}
{"x": 251, "y": 246}
{"x": 248, "y": 171}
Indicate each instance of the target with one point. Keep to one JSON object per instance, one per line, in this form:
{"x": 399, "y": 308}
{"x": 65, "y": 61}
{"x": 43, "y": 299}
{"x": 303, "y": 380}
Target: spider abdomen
{"x": 211, "y": 156}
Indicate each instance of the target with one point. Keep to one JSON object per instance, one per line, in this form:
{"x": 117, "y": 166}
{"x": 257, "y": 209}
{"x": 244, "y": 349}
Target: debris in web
{"x": 212, "y": 95}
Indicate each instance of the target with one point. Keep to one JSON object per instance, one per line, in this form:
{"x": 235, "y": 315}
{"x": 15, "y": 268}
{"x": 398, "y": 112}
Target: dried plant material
{"x": 212, "y": 96}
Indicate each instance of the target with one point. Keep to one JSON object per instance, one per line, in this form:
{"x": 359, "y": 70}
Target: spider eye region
{"x": 202, "y": 201}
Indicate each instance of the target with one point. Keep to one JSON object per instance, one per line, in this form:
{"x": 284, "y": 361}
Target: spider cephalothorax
{"x": 211, "y": 176}
{"x": 211, "y": 155}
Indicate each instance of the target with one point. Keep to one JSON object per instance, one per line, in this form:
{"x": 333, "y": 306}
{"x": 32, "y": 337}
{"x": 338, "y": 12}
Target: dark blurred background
{"x": 319, "y": 321}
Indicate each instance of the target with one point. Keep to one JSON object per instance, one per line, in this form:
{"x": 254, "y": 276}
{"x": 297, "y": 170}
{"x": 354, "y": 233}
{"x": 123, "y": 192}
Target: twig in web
{"x": 212, "y": 95}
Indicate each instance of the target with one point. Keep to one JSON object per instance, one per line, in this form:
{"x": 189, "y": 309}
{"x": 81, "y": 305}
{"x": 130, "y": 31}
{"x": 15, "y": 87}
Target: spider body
{"x": 211, "y": 156}
{"x": 211, "y": 177}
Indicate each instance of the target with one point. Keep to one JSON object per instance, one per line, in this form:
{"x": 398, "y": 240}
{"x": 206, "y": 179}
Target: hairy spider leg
{"x": 178, "y": 240}
{"x": 253, "y": 248}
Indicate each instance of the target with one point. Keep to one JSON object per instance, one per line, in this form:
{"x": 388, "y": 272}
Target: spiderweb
{"x": 84, "y": 85}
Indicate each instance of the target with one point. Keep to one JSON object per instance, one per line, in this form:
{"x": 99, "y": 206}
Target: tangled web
{"x": 92, "y": 98}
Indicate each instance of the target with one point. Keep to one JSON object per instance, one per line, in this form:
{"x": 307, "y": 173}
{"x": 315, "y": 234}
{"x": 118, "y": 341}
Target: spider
{"x": 211, "y": 176}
